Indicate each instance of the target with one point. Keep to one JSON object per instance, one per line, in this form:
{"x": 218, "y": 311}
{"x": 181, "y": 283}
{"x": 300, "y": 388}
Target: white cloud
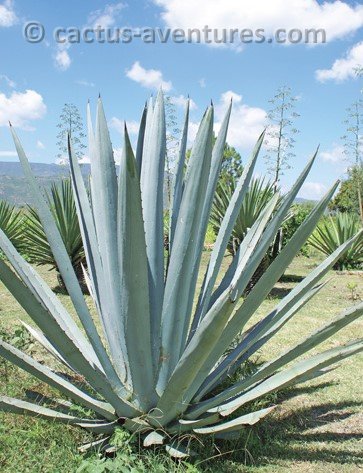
{"x": 7, "y": 14}
{"x": 21, "y": 108}
{"x": 312, "y": 190}
{"x": 333, "y": 155}
{"x": 132, "y": 127}
{"x": 149, "y": 78}
{"x": 40, "y": 145}
{"x": 202, "y": 83}
{"x": 338, "y": 18}
{"x": 100, "y": 18}
{"x": 85, "y": 83}
{"x": 105, "y": 18}
{"x": 64, "y": 160}
{"x": 343, "y": 68}
{"x": 62, "y": 59}
{"x": 8, "y": 154}
{"x": 6, "y": 79}
{"x": 246, "y": 122}
{"x": 118, "y": 125}
{"x": 181, "y": 101}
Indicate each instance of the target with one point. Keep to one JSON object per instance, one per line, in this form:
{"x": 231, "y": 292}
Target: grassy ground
{"x": 317, "y": 426}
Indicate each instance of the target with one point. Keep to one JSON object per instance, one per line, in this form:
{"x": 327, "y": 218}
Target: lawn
{"x": 317, "y": 428}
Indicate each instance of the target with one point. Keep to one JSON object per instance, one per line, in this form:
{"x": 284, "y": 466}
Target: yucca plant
{"x": 156, "y": 360}
{"x": 257, "y": 197}
{"x": 333, "y": 232}
{"x": 63, "y": 208}
{"x": 11, "y": 223}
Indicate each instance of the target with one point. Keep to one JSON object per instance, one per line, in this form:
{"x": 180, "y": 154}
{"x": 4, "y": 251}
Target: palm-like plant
{"x": 11, "y": 223}
{"x": 157, "y": 370}
{"x": 63, "y": 208}
{"x": 256, "y": 199}
{"x": 333, "y": 232}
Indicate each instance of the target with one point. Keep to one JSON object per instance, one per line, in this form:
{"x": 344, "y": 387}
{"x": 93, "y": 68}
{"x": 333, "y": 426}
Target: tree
{"x": 231, "y": 166}
{"x": 353, "y": 145}
{"x": 231, "y": 163}
{"x": 346, "y": 199}
{"x": 70, "y": 121}
{"x": 280, "y": 133}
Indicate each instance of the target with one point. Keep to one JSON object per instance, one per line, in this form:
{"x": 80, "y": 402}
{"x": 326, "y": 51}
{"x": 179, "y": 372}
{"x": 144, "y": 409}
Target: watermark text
{"x": 34, "y": 32}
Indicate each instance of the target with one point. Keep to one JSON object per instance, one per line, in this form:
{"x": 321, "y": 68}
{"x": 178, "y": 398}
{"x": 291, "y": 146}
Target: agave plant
{"x": 11, "y": 223}
{"x": 63, "y": 208}
{"x": 334, "y": 231}
{"x": 156, "y": 361}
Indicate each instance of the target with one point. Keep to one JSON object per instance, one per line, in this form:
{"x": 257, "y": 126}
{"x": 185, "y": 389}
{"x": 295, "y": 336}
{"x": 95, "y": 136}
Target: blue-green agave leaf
{"x": 235, "y": 424}
{"x": 104, "y": 203}
{"x": 292, "y": 375}
{"x": 152, "y": 194}
{"x": 64, "y": 341}
{"x": 45, "y": 374}
{"x": 134, "y": 281}
{"x": 175, "y": 318}
{"x": 272, "y": 366}
{"x": 140, "y": 140}
{"x": 225, "y": 232}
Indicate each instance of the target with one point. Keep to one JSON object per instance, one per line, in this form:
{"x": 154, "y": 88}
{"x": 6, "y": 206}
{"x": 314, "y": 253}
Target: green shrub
{"x": 210, "y": 237}
{"x": 299, "y": 212}
{"x": 347, "y": 199}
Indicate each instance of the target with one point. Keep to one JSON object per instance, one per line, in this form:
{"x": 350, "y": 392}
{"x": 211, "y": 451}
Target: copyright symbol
{"x": 33, "y": 32}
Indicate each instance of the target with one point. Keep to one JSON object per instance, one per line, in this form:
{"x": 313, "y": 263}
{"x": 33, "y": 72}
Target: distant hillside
{"x": 13, "y": 185}
{"x": 301, "y": 200}
{"x": 13, "y": 169}
{"x": 40, "y": 169}
{"x": 14, "y": 188}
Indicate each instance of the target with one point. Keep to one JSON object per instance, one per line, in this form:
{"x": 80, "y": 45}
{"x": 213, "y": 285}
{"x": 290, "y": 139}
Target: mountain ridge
{"x": 14, "y": 188}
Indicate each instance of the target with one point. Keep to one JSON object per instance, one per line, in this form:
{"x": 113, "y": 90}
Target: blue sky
{"x": 37, "y": 79}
